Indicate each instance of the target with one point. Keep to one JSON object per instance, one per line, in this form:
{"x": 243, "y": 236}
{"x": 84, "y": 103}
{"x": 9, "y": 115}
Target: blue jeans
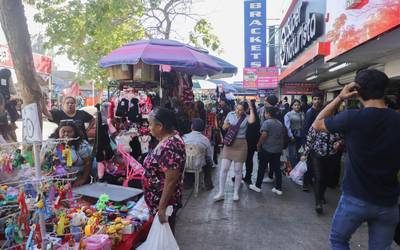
{"x": 352, "y": 212}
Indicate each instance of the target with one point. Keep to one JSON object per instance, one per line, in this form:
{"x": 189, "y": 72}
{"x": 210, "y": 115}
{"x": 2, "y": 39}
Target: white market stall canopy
{"x": 203, "y": 84}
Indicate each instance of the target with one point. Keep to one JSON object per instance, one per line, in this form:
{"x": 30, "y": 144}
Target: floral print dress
{"x": 170, "y": 154}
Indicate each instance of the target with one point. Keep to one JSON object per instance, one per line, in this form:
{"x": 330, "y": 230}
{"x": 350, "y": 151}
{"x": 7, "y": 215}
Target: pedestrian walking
{"x": 294, "y": 122}
{"x": 370, "y": 185}
{"x": 310, "y": 116}
{"x": 235, "y": 149}
{"x": 321, "y": 149}
{"x": 252, "y": 137}
{"x": 269, "y": 147}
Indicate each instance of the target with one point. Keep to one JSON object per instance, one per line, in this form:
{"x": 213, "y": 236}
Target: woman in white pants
{"x": 237, "y": 152}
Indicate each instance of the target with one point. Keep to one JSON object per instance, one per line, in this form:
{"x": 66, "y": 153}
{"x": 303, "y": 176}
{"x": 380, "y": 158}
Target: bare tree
{"x": 13, "y": 22}
{"x": 159, "y": 16}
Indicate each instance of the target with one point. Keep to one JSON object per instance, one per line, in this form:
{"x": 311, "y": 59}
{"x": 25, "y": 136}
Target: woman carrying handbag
{"x": 235, "y": 147}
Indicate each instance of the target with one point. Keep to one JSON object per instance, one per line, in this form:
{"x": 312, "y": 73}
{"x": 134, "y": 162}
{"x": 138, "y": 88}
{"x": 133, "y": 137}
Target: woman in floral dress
{"x": 164, "y": 165}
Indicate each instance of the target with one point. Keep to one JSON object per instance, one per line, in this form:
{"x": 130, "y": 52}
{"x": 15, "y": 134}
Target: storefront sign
{"x": 266, "y": 92}
{"x": 348, "y": 27}
{"x": 299, "y": 31}
{"x": 260, "y": 78}
{"x": 298, "y": 88}
{"x": 355, "y": 4}
{"x": 42, "y": 63}
{"x": 255, "y": 33}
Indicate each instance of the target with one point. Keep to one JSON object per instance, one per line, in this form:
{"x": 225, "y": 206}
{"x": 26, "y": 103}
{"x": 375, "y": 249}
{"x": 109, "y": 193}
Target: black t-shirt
{"x": 311, "y": 115}
{"x": 81, "y": 117}
{"x": 372, "y": 162}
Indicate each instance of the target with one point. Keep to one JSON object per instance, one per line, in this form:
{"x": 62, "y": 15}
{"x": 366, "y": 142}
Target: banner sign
{"x": 255, "y": 33}
{"x": 352, "y": 23}
{"x": 260, "y": 78}
{"x": 299, "y": 31}
{"x": 42, "y": 63}
{"x": 298, "y": 88}
{"x": 30, "y": 123}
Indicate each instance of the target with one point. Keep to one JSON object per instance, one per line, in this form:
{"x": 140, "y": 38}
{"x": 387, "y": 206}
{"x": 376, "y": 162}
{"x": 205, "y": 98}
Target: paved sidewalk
{"x": 259, "y": 220}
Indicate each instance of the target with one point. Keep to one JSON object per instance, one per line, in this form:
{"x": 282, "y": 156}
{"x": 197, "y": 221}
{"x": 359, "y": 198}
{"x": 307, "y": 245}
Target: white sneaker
{"x": 267, "y": 180}
{"x": 255, "y": 188}
{"x": 277, "y": 191}
{"x": 219, "y": 197}
{"x": 235, "y": 197}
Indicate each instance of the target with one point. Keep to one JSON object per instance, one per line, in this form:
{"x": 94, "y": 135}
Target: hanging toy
{"x": 18, "y": 237}
{"x": 24, "y": 212}
{"x": 52, "y": 194}
{"x": 18, "y": 159}
{"x": 29, "y": 242}
{"x": 29, "y": 158}
{"x": 38, "y": 235}
{"x": 61, "y": 225}
{"x": 66, "y": 153}
{"x": 22, "y": 202}
{"x": 59, "y": 152}
{"x": 10, "y": 232}
{"x": 58, "y": 168}
{"x": 7, "y": 165}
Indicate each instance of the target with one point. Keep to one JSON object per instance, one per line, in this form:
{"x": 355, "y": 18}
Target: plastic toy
{"x": 18, "y": 159}
{"x": 101, "y": 203}
{"x": 66, "y": 153}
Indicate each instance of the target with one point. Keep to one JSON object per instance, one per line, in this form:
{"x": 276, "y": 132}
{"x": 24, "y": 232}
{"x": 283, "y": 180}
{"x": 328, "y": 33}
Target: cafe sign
{"x": 299, "y": 31}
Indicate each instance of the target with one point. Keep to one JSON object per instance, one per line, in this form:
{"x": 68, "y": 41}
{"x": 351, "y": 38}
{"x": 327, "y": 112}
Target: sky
{"x": 225, "y": 16}
{"x": 227, "y": 19}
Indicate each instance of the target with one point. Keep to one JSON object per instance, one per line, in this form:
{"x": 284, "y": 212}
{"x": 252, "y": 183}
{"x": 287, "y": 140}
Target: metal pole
{"x": 36, "y": 152}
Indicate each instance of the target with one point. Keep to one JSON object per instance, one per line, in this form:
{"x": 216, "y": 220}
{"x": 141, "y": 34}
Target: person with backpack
{"x": 269, "y": 147}
{"x": 370, "y": 185}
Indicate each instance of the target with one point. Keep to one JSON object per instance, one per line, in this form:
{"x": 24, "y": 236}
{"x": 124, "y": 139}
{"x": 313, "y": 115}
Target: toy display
{"x": 69, "y": 221}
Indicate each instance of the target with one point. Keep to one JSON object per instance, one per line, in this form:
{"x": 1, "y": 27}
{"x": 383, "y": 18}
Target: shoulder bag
{"x": 232, "y": 132}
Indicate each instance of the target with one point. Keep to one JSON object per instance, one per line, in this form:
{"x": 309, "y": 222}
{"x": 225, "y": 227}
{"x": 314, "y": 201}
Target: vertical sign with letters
{"x": 255, "y": 33}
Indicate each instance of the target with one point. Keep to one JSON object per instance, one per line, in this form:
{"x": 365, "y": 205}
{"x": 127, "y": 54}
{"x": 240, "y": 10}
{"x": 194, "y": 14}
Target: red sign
{"x": 298, "y": 88}
{"x": 348, "y": 28}
{"x": 42, "y": 63}
{"x": 260, "y": 78}
{"x": 355, "y": 4}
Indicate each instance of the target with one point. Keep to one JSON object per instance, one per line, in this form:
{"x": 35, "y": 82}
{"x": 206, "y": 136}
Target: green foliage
{"x": 202, "y": 35}
{"x": 87, "y": 30}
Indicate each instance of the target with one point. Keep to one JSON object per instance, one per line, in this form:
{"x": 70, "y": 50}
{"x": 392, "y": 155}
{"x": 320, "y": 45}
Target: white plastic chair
{"x": 195, "y": 160}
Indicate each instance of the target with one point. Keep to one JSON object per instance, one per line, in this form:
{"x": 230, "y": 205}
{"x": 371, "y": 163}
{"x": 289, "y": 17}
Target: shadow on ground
{"x": 259, "y": 220}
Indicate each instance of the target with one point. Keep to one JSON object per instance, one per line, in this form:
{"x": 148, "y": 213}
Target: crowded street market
{"x": 177, "y": 144}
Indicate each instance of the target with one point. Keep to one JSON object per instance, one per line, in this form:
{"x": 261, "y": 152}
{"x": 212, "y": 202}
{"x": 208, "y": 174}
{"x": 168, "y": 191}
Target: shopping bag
{"x": 160, "y": 236}
{"x": 298, "y": 172}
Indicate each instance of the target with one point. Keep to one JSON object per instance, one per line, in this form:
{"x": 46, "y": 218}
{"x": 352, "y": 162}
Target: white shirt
{"x": 197, "y": 138}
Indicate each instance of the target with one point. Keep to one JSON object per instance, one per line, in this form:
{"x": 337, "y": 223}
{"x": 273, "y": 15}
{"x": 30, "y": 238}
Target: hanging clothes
{"x": 123, "y": 108}
{"x": 102, "y": 144}
{"x": 133, "y": 114}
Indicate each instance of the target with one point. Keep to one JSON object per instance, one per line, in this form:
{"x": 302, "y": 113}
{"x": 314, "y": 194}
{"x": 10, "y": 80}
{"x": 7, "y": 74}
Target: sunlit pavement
{"x": 259, "y": 220}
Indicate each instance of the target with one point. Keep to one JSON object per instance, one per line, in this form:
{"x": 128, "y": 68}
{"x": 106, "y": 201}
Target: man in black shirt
{"x": 370, "y": 186}
{"x": 311, "y": 114}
